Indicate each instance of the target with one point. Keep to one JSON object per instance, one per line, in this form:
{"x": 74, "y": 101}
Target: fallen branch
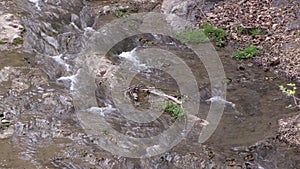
{"x": 162, "y": 94}
{"x": 133, "y": 92}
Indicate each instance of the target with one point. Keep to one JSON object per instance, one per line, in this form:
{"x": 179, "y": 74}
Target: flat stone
{"x": 178, "y": 7}
{"x": 10, "y": 28}
{"x": 7, "y": 133}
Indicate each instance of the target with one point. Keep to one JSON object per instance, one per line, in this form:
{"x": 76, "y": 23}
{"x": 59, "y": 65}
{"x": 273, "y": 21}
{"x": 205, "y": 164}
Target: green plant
{"x": 256, "y": 32}
{"x": 175, "y": 109}
{"x": 290, "y": 91}
{"x": 18, "y": 41}
{"x": 208, "y": 28}
{"x": 121, "y": 14}
{"x": 215, "y": 33}
{"x": 247, "y": 53}
{"x": 193, "y": 36}
{"x": 227, "y": 80}
{"x": 240, "y": 29}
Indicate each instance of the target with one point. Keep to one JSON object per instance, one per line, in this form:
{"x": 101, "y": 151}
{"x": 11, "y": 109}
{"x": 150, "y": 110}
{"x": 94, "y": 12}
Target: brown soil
{"x": 289, "y": 130}
{"x": 280, "y": 22}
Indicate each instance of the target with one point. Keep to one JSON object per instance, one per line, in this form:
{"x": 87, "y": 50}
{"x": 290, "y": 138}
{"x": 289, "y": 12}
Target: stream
{"x": 63, "y": 73}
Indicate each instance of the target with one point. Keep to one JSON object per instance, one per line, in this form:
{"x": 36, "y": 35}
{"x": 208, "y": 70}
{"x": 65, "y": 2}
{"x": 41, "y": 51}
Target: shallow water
{"x": 35, "y": 96}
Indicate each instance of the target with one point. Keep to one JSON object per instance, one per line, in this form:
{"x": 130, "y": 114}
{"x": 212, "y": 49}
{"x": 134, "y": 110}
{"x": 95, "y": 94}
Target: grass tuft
{"x": 247, "y": 53}
{"x": 174, "y": 109}
{"x": 193, "y": 36}
{"x": 215, "y": 33}
{"x": 256, "y": 32}
{"x": 121, "y": 14}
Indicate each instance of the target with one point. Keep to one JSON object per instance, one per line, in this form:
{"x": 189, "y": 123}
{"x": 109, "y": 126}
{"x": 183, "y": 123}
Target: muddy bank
{"x": 280, "y": 21}
{"x": 277, "y": 19}
{"x": 289, "y": 130}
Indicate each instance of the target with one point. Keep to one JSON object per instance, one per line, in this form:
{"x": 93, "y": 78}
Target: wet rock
{"x": 180, "y": 8}
{"x": 112, "y": 9}
{"x": 54, "y": 19}
{"x": 232, "y": 164}
{"x": 19, "y": 85}
{"x": 87, "y": 17}
{"x": 191, "y": 10}
{"x": 241, "y": 67}
{"x": 70, "y": 42}
{"x": 106, "y": 9}
{"x": 4, "y": 74}
{"x": 53, "y": 69}
{"x": 10, "y": 30}
{"x": 7, "y": 133}
{"x": 122, "y": 8}
{"x": 275, "y": 61}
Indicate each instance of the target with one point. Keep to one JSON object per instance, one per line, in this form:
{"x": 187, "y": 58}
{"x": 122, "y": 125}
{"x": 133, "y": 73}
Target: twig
{"x": 160, "y": 93}
{"x": 154, "y": 91}
{"x": 295, "y": 101}
{"x": 200, "y": 8}
{"x": 241, "y": 2}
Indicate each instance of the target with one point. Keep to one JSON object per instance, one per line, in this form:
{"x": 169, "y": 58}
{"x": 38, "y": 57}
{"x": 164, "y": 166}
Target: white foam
{"x": 90, "y": 29}
{"x": 59, "y": 60}
{"x": 72, "y": 78}
{"x": 220, "y": 100}
{"x": 101, "y": 110}
{"x": 75, "y": 26}
{"x": 132, "y": 57}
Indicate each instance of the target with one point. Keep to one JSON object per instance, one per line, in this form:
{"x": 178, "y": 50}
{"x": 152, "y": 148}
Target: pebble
{"x": 7, "y": 133}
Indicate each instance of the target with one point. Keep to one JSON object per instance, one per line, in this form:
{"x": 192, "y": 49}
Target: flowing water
{"x": 44, "y": 132}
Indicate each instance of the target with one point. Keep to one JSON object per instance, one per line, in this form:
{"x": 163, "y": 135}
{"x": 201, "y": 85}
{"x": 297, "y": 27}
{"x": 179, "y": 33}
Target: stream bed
{"x": 42, "y": 129}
